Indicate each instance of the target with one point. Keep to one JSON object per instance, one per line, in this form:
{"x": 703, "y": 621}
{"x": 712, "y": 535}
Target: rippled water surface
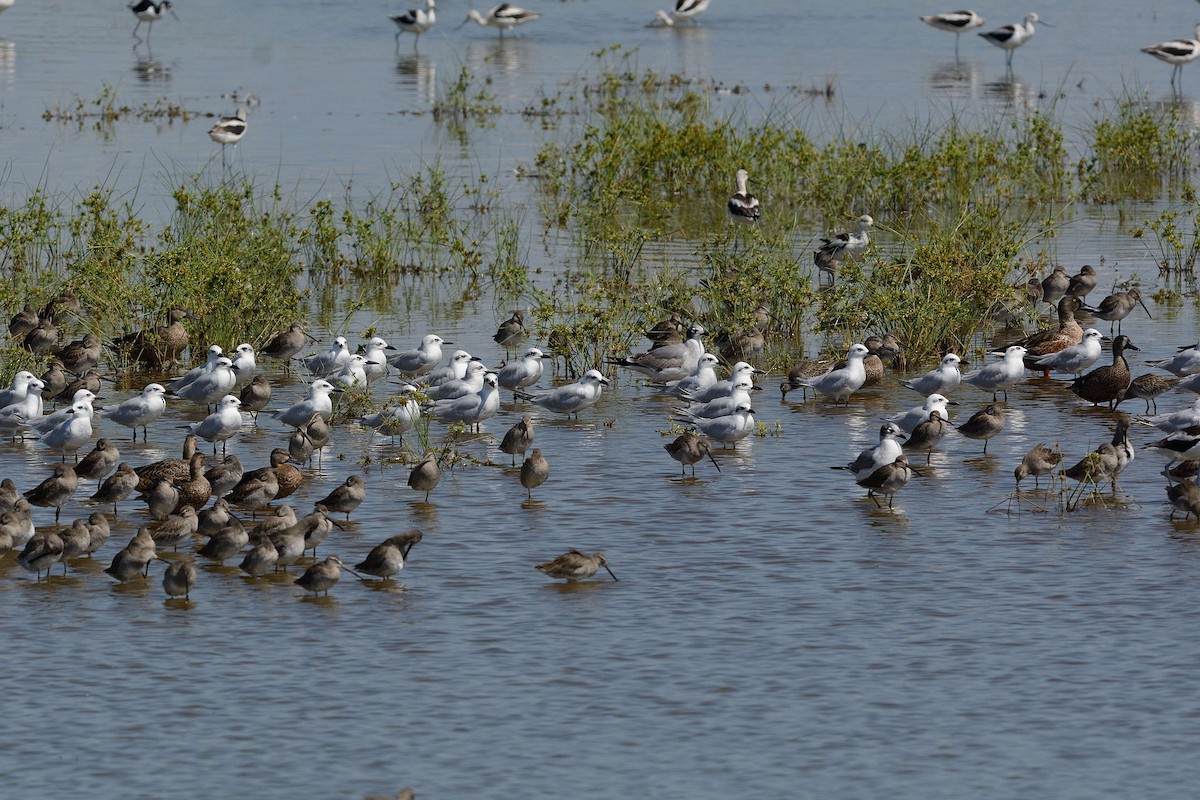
{"x": 773, "y": 633}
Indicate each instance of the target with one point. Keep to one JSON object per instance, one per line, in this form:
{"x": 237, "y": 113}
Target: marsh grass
{"x": 1141, "y": 150}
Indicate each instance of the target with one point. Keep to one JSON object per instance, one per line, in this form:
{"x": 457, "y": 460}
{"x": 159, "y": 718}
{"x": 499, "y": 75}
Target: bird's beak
{"x": 610, "y": 572}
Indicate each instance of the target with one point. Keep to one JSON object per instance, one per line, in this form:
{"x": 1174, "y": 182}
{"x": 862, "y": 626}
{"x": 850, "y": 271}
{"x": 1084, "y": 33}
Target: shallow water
{"x": 773, "y": 633}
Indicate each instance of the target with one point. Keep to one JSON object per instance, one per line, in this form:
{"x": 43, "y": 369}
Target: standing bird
{"x": 322, "y": 576}
{"x": 888, "y": 479}
{"x": 139, "y": 411}
{"x": 133, "y": 560}
{"x": 984, "y": 424}
{"x": 180, "y": 578}
{"x": 1117, "y": 306}
{"x": 1040, "y": 460}
{"x": 839, "y": 384}
{"x": 1082, "y": 282}
{"x": 503, "y": 17}
{"x": 55, "y": 491}
{"x": 387, "y": 557}
{"x": 943, "y": 380}
{"x": 834, "y": 251}
{"x": 574, "y": 566}
{"x": 1010, "y": 37}
{"x": 318, "y": 402}
{"x": 42, "y": 552}
{"x": 1176, "y": 52}
{"x": 1054, "y": 285}
{"x": 425, "y": 476}
{"x": 1148, "y": 387}
{"x": 222, "y": 425}
{"x": 287, "y": 344}
{"x": 421, "y": 360}
{"x": 684, "y": 10}
{"x": 1107, "y": 384}
{"x": 98, "y": 463}
{"x": 688, "y": 448}
{"x": 229, "y": 130}
{"x": 510, "y": 331}
{"x": 149, "y": 12}
{"x": 1076, "y": 358}
{"x": 571, "y": 398}
{"x": 668, "y": 362}
{"x": 928, "y": 434}
{"x": 524, "y": 372}
{"x": 1067, "y": 334}
{"x": 518, "y": 439}
{"x": 1001, "y": 376}
{"x": 347, "y": 497}
{"x": 116, "y": 487}
{"x": 80, "y": 355}
{"x": 415, "y": 21}
{"x": 872, "y": 458}
{"x": 954, "y": 22}
{"x": 743, "y": 206}
{"x": 255, "y": 395}
{"x": 1184, "y": 496}
{"x": 534, "y": 472}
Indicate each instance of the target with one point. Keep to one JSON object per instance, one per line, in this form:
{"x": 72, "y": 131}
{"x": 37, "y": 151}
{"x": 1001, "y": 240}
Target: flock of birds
{"x": 1175, "y": 52}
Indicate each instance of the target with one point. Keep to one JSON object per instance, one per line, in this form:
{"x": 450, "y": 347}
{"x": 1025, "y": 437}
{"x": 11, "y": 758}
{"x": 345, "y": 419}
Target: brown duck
{"x": 1107, "y": 384}
{"x": 158, "y": 346}
{"x": 169, "y": 469}
{"x": 1067, "y": 334}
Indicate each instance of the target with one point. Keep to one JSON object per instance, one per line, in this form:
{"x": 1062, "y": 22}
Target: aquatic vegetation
{"x": 1140, "y": 151}
{"x": 1174, "y": 245}
{"x": 105, "y": 109}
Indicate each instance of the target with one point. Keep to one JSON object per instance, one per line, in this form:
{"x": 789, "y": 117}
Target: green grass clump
{"x": 1138, "y": 152}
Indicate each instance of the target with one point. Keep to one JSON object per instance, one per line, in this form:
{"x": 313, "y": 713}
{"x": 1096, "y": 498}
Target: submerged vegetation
{"x": 631, "y": 180}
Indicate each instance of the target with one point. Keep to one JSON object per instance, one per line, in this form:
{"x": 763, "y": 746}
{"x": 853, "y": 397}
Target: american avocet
{"x": 1010, "y": 37}
{"x": 688, "y": 9}
{"x": 502, "y": 17}
{"x": 5, "y": 5}
{"x": 743, "y": 206}
{"x": 833, "y": 251}
{"x": 229, "y": 130}
{"x": 1176, "y": 52}
{"x": 415, "y": 21}
{"x": 149, "y": 12}
{"x": 955, "y": 22}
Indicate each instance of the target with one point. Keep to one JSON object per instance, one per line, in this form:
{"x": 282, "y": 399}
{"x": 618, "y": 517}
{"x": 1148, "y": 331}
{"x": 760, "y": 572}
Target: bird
{"x": 196, "y": 490}
{"x": 27, "y": 318}
{"x": 534, "y": 471}
{"x": 138, "y": 411}
{"x": 415, "y": 21}
{"x": 376, "y": 351}
{"x": 149, "y": 12}
{"x": 834, "y": 251}
{"x": 1054, "y": 285}
{"x": 872, "y": 458}
{"x": 1184, "y": 363}
{"x": 133, "y": 560}
{"x": 688, "y": 448}
{"x": 384, "y": 560}
{"x": 907, "y": 421}
{"x": 73, "y": 433}
{"x": 425, "y": 475}
{"x": 943, "y": 380}
{"x": 743, "y": 206}
{"x": 169, "y": 469}
{"x": 1176, "y": 52}
{"x": 1117, "y": 306}
{"x": 470, "y": 383}
{"x": 928, "y": 434}
{"x": 686, "y": 10}
{"x": 1107, "y": 384}
{"x": 244, "y": 363}
{"x": 98, "y": 463}
{"x": 286, "y": 344}
{"x": 984, "y": 424}
{"x": 229, "y": 130}
{"x": 255, "y": 395}
{"x": 176, "y": 528}
{"x": 1010, "y": 37}
{"x": 41, "y": 552}
{"x": 1184, "y": 496}
{"x": 254, "y": 493}
{"x": 839, "y": 384}
{"x": 1076, "y": 358}
{"x": 347, "y": 497}
{"x": 214, "y": 518}
{"x": 157, "y": 347}
{"x": 180, "y": 578}
{"x": 318, "y": 402}
{"x": 398, "y": 416}
{"x": 524, "y": 372}
{"x": 1099, "y": 465}
{"x": 1082, "y": 282}
{"x": 80, "y": 355}
{"x": 511, "y": 330}
{"x": 473, "y": 408}
{"x": 211, "y": 386}
{"x": 570, "y": 398}
{"x": 214, "y": 353}
{"x": 453, "y": 370}
{"x": 887, "y": 480}
{"x": 262, "y": 559}
{"x": 702, "y": 377}
{"x": 226, "y": 543}
{"x": 518, "y": 439}
{"x": 722, "y": 405}
{"x": 1000, "y": 376}
{"x": 574, "y": 565}
{"x": 668, "y": 362}
{"x": 161, "y": 499}
{"x": 322, "y": 576}
{"x": 420, "y": 360}
{"x": 56, "y": 490}
{"x": 502, "y": 17}
{"x": 954, "y": 22}
{"x": 18, "y": 388}
{"x": 220, "y": 426}
{"x": 329, "y": 361}
{"x": 1040, "y": 460}
{"x": 1148, "y": 387}
{"x": 116, "y": 487}
{"x": 1067, "y": 334}
{"x": 729, "y": 428}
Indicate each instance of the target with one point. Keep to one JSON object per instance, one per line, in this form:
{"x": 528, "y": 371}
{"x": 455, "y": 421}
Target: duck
{"x": 1107, "y": 384}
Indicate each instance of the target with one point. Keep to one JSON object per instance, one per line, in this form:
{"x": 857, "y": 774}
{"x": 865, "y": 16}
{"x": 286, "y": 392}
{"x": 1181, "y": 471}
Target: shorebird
{"x": 255, "y": 395}
{"x": 1082, "y": 282}
{"x": 524, "y": 372}
{"x": 1148, "y": 387}
{"x": 511, "y": 330}
{"x": 384, "y": 560}
{"x": 415, "y": 21}
{"x": 157, "y": 347}
{"x": 1076, "y": 358}
{"x": 928, "y": 434}
{"x": 180, "y": 578}
{"x": 473, "y": 408}
{"x": 518, "y": 439}
{"x": 688, "y": 448}
{"x": 743, "y": 206}
{"x": 887, "y": 480}
{"x": 222, "y": 425}
{"x": 41, "y": 552}
{"x": 98, "y": 463}
{"x": 1117, "y": 306}
{"x": 1176, "y": 52}
{"x": 1040, "y": 460}
{"x": 1001, "y": 376}
{"x": 909, "y": 420}
{"x": 839, "y": 384}
{"x": 503, "y": 17}
{"x": 149, "y": 12}
{"x": 347, "y": 497}
{"x": 322, "y": 576}
{"x": 954, "y": 22}
{"x": 943, "y": 380}
{"x": 116, "y": 487}
{"x": 574, "y": 566}
{"x": 534, "y": 472}
{"x": 668, "y": 362}
{"x": 287, "y": 344}
{"x": 702, "y": 377}
{"x": 422, "y": 359}
{"x": 229, "y": 130}
{"x": 318, "y": 402}
{"x": 834, "y": 251}
{"x": 1054, "y": 285}
{"x": 571, "y": 398}
{"x": 1010, "y": 37}
{"x": 425, "y": 476}
{"x": 728, "y": 428}
{"x": 984, "y": 424}
{"x": 133, "y": 560}
{"x": 139, "y": 411}
{"x": 872, "y": 458}
{"x": 329, "y": 361}
{"x": 395, "y": 420}
{"x": 1184, "y": 363}
{"x": 1067, "y": 334}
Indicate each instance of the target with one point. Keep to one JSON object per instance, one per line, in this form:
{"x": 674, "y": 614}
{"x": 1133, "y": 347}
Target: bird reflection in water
{"x": 415, "y": 71}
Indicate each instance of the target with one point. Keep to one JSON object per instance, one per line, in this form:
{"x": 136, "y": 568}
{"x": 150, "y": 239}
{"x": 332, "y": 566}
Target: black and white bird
{"x": 1010, "y": 37}
{"x": 229, "y": 130}
{"x": 149, "y": 12}
{"x": 1176, "y": 52}
{"x": 954, "y": 22}
{"x": 503, "y": 17}
{"x": 743, "y": 206}
{"x": 833, "y": 251}
{"x": 415, "y": 21}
